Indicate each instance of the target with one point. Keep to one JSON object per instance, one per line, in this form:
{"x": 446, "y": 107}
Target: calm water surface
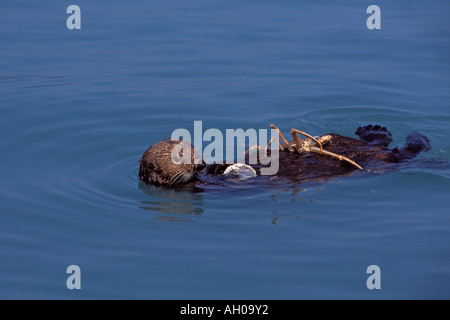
{"x": 79, "y": 107}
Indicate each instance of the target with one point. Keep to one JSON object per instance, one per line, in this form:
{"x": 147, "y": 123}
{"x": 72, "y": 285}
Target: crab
{"x": 309, "y": 144}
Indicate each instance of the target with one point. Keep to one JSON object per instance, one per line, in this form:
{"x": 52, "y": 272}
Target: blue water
{"x": 79, "y": 107}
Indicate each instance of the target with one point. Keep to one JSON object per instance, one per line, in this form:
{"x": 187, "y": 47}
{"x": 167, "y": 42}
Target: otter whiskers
{"x": 181, "y": 176}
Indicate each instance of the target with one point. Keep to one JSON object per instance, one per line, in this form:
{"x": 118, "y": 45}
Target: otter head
{"x": 170, "y": 162}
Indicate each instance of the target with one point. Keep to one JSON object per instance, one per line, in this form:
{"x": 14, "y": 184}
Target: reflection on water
{"x": 306, "y": 193}
{"x": 178, "y": 203}
{"x": 295, "y": 194}
{"x": 186, "y": 202}
{"x": 183, "y": 203}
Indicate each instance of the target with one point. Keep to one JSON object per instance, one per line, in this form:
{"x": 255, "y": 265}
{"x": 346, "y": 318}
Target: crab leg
{"x": 301, "y": 148}
{"x": 334, "y": 155}
{"x": 250, "y": 149}
{"x": 285, "y": 142}
{"x": 266, "y": 148}
{"x": 270, "y": 142}
{"x": 319, "y": 150}
{"x": 298, "y": 142}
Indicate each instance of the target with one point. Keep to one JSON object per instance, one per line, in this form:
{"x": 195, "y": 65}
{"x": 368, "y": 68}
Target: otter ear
{"x": 375, "y": 135}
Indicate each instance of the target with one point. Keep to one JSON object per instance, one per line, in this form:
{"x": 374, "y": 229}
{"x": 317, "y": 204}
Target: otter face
{"x": 170, "y": 162}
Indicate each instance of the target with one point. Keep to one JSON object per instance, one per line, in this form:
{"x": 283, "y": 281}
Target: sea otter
{"x": 300, "y": 160}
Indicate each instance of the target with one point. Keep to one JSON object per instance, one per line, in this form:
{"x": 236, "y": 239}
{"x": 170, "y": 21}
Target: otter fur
{"x": 370, "y": 151}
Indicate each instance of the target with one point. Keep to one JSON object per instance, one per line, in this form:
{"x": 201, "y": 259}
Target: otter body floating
{"x": 299, "y": 160}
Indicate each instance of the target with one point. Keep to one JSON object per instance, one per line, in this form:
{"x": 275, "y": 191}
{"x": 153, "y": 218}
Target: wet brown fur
{"x": 370, "y": 151}
{"x": 158, "y": 168}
